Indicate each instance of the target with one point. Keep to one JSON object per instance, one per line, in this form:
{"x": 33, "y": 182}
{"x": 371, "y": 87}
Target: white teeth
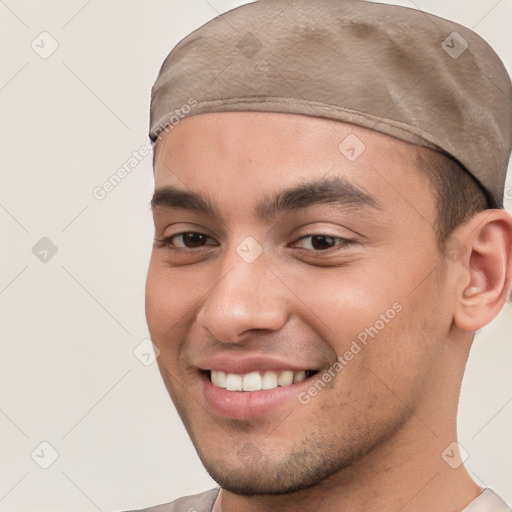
{"x": 285, "y": 378}
{"x": 219, "y": 379}
{"x": 254, "y": 381}
{"x": 269, "y": 380}
{"x": 233, "y": 382}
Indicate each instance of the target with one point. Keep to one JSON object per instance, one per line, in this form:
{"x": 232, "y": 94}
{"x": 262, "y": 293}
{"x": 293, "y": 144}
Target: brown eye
{"x": 186, "y": 240}
{"x": 193, "y": 240}
{"x": 320, "y": 242}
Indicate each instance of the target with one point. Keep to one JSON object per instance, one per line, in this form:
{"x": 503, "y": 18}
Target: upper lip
{"x": 246, "y": 364}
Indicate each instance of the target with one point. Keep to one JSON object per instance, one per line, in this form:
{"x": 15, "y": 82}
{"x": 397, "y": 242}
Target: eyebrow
{"x": 334, "y": 190}
{"x": 172, "y": 197}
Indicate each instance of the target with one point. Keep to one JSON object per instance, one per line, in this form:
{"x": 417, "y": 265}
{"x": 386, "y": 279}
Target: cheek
{"x": 402, "y": 348}
{"x": 169, "y": 301}
{"x": 386, "y": 332}
{"x": 341, "y": 303}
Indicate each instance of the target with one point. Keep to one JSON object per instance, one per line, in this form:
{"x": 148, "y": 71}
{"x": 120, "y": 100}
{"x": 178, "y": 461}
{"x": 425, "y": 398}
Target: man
{"x": 329, "y": 235}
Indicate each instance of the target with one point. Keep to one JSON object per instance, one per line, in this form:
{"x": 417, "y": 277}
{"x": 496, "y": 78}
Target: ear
{"x": 484, "y": 268}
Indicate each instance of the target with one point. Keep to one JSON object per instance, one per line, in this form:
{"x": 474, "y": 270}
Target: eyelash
{"x": 343, "y": 242}
{"x": 167, "y": 242}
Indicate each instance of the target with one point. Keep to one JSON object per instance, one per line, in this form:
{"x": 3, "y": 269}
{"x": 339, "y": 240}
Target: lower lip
{"x": 244, "y": 405}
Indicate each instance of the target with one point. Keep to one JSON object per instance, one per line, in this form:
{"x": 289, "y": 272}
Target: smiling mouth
{"x": 257, "y": 380}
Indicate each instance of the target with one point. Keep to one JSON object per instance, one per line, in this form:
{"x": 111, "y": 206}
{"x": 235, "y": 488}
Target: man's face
{"x": 313, "y": 259}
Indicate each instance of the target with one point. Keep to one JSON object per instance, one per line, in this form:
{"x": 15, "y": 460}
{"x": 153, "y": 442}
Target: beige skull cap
{"x": 396, "y": 70}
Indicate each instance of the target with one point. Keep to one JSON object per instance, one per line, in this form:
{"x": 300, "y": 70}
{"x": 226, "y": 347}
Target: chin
{"x": 249, "y": 472}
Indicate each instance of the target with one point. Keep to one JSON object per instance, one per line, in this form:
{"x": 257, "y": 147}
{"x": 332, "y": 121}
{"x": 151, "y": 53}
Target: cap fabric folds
{"x": 399, "y": 71}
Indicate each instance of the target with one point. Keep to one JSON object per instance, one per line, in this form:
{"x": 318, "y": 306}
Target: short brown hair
{"x": 458, "y": 195}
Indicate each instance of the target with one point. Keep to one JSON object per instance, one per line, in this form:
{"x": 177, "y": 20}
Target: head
{"x": 312, "y": 222}
{"x": 369, "y": 273}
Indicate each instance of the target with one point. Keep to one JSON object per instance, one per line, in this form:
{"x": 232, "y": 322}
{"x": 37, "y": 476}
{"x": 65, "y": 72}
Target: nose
{"x": 246, "y": 297}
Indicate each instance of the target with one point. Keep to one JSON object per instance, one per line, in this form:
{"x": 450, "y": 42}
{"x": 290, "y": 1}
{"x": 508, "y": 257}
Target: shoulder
{"x": 197, "y": 503}
{"x": 488, "y": 501}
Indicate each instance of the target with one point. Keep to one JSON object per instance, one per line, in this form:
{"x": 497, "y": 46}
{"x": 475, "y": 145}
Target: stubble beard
{"x": 311, "y": 461}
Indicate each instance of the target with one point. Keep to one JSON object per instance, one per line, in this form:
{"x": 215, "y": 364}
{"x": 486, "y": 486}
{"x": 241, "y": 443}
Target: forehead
{"x": 254, "y": 153}
{"x": 235, "y": 130}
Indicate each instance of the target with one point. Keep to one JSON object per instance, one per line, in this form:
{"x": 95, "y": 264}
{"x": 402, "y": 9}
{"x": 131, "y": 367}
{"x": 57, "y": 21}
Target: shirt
{"x": 488, "y": 501}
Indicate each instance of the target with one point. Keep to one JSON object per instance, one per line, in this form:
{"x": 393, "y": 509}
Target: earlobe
{"x": 486, "y": 269}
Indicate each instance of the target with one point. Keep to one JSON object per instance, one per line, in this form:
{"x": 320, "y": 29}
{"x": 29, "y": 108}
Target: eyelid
{"x": 344, "y": 242}
{"x": 167, "y": 241}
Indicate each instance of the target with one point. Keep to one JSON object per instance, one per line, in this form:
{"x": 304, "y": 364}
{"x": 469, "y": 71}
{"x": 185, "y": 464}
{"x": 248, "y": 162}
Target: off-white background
{"x": 68, "y": 375}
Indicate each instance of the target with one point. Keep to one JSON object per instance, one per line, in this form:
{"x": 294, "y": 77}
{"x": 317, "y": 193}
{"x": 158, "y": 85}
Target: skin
{"x": 372, "y": 438}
